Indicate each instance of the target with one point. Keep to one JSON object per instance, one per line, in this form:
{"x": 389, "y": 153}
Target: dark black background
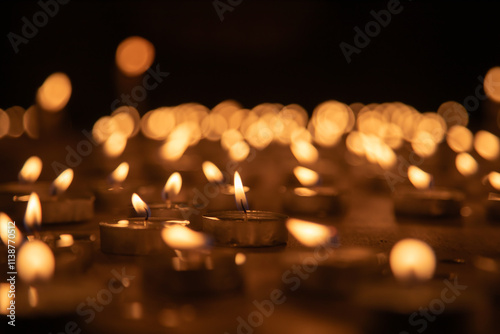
{"x": 263, "y": 51}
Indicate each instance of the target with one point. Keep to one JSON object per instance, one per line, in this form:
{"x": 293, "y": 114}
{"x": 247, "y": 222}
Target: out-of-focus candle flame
{"x": 35, "y": 262}
{"x": 306, "y": 192}
{"x": 134, "y": 55}
{"x": 172, "y": 187}
{"x": 239, "y": 151}
{"x": 62, "y": 182}
{"x": 494, "y": 179}
{"x": 55, "y": 92}
{"x": 174, "y": 148}
{"x": 33, "y": 296}
{"x": 33, "y": 215}
{"x": 412, "y": 260}
{"x": 304, "y": 152}
{"x": 212, "y": 172}
{"x": 140, "y": 206}
{"x": 65, "y": 240}
{"x": 31, "y": 170}
{"x": 240, "y": 259}
{"x": 307, "y": 177}
{"x": 487, "y": 145}
{"x": 466, "y": 164}
{"x": 492, "y": 83}
{"x": 115, "y": 144}
{"x": 183, "y": 238}
{"x": 119, "y": 174}
{"x": 9, "y": 232}
{"x": 459, "y": 138}
{"x": 310, "y": 234}
{"x": 419, "y": 178}
{"x": 239, "y": 193}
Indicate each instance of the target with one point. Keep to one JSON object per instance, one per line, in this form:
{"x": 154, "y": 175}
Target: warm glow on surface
{"x": 212, "y": 172}
{"x": 419, "y": 178}
{"x": 134, "y": 55}
{"x": 308, "y": 233}
{"x": 65, "y": 240}
{"x": 239, "y": 193}
{"x": 35, "y": 262}
{"x": 33, "y": 215}
{"x": 54, "y": 93}
{"x": 412, "y": 260}
{"x": 494, "y": 179}
{"x": 492, "y": 83}
{"x": 466, "y": 164}
{"x": 487, "y": 145}
{"x": 183, "y": 238}
{"x": 172, "y": 187}
{"x": 304, "y": 152}
{"x": 459, "y": 138}
{"x": 115, "y": 144}
{"x": 307, "y": 177}
{"x": 9, "y": 232}
{"x": 140, "y": 206}
{"x": 119, "y": 174}
{"x": 31, "y": 170}
{"x": 62, "y": 182}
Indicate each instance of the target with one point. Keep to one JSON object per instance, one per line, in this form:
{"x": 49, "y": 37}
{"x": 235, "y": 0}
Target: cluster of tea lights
{"x": 197, "y": 246}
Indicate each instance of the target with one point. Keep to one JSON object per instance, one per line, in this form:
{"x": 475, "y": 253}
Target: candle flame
{"x": 33, "y": 216}
{"x": 33, "y": 296}
{"x": 182, "y": 238}
{"x": 494, "y": 179}
{"x": 412, "y": 259}
{"x": 140, "y": 206}
{"x": 115, "y": 144}
{"x": 419, "y": 178}
{"x": 119, "y": 174}
{"x": 310, "y": 234}
{"x": 307, "y": 177}
{"x": 466, "y": 164}
{"x": 134, "y": 55}
{"x": 212, "y": 172}
{"x": 31, "y": 170}
{"x": 62, "y": 182}
{"x": 55, "y": 92}
{"x": 304, "y": 152}
{"x": 7, "y": 232}
{"x": 305, "y": 192}
{"x": 172, "y": 187}
{"x": 35, "y": 262}
{"x": 239, "y": 193}
{"x": 487, "y": 145}
{"x": 65, "y": 240}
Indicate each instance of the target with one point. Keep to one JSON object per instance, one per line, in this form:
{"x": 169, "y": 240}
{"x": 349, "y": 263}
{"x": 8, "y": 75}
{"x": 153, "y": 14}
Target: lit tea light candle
{"x": 221, "y": 195}
{"x": 193, "y": 268}
{"x": 169, "y": 207}
{"x": 35, "y": 262}
{"x": 311, "y": 199}
{"x": 27, "y": 176}
{"x": 113, "y": 196}
{"x": 58, "y": 206}
{"x": 245, "y": 228}
{"x": 424, "y": 200}
{"x": 135, "y": 236}
{"x": 413, "y": 264}
{"x": 339, "y": 271}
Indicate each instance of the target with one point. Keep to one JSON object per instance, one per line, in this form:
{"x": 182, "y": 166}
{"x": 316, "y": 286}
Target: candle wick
{"x": 147, "y": 214}
{"x": 243, "y": 207}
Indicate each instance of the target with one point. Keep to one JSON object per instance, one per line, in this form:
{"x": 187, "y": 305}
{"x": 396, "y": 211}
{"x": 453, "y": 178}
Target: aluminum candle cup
{"x": 320, "y": 201}
{"x": 428, "y": 203}
{"x": 338, "y": 272}
{"x": 191, "y": 273}
{"x": 66, "y": 208}
{"x": 250, "y": 229}
{"x": 134, "y": 236}
{"x": 112, "y": 199}
{"x": 73, "y": 252}
{"x": 177, "y": 211}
